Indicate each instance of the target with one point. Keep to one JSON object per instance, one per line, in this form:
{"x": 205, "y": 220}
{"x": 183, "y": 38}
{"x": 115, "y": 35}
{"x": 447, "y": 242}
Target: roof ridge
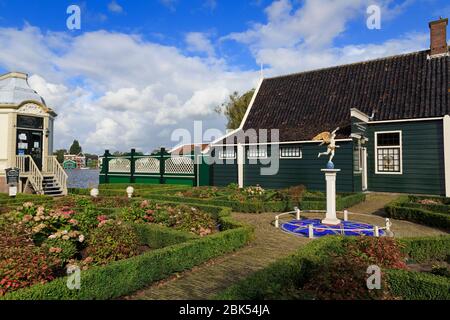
{"x": 348, "y": 64}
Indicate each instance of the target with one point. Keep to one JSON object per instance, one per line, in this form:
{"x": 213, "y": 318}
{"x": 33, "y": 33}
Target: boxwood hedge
{"x": 294, "y": 270}
{"x": 402, "y": 209}
{"x": 126, "y": 276}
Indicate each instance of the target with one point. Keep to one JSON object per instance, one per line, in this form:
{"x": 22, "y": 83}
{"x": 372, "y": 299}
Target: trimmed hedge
{"x": 418, "y": 285}
{"x": 126, "y": 276}
{"x": 427, "y": 248}
{"x": 294, "y": 270}
{"x": 399, "y": 209}
{"x": 259, "y": 206}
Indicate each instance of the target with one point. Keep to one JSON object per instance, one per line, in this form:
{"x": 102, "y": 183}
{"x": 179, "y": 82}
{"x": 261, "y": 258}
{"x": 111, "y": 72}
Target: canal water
{"x": 84, "y": 179}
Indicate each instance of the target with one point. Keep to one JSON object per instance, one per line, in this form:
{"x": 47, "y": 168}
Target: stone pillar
{"x": 330, "y": 177}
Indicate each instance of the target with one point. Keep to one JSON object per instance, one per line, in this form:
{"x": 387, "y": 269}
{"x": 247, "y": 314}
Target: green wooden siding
{"x": 292, "y": 172}
{"x": 423, "y": 159}
{"x": 224, "y": 174}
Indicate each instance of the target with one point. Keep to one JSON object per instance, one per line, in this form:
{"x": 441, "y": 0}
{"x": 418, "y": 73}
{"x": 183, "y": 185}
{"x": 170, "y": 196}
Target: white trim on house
{"x": 447, "y": 154}
{"x": 279, "y": 143}
{"x": 359, "y": 115}
{"x": 406, "y": 120}
{"x": 250, "y": 106}
{"x": 251, "y": 103}
{"x": 376, "y": 133}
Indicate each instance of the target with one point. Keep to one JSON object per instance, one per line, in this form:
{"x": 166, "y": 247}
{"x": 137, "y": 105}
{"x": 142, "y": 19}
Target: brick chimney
{"x": 438, "y": 36}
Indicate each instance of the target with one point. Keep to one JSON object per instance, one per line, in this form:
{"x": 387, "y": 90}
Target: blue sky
{"x": 138, "y": 70}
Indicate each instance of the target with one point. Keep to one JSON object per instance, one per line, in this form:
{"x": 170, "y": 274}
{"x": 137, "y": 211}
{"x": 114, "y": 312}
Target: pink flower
{"x": 102, "y": 218}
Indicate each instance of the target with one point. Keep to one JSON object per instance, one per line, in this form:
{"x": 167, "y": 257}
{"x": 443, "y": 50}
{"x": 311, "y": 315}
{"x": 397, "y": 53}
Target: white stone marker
{"x": 330, "y": 177}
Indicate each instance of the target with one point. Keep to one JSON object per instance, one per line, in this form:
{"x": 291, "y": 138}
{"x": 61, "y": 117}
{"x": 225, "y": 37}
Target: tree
{"x": 60, "y": 155}
{"x": 234, "y": 109}
{"x": 75, "y": 148}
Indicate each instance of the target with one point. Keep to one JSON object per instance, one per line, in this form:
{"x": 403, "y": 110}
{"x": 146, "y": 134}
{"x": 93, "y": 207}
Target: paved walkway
{"x": 207, "y": 280}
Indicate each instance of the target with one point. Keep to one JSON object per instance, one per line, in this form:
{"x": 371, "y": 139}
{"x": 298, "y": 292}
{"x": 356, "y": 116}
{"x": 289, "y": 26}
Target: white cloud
{"x": 114, "y": 7}
{"x": 114, "y": 90}
{"x": 303, "y": 38}
{"x": 199, "y": 42}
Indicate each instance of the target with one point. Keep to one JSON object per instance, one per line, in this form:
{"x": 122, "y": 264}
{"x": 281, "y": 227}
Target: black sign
{"x": 30, "y": 122}
{"x": 12, "y": 176}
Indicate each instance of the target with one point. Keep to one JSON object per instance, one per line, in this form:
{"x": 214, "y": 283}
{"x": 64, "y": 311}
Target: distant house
{"x": 393, "y": 114}
{"x": 79, "y": 159}
{"x": 69, "y": 165}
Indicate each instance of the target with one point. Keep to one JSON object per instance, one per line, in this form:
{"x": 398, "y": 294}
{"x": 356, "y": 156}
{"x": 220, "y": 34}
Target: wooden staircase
{"x": 52, "y": 180}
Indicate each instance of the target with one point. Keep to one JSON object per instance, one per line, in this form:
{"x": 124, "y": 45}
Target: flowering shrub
{"x": 200, "y": 192}
{"x": 88, "y": 218}
{"x": 179, "y": 217}
{"x": 48, "y": 223}
{"x": 344, "y": 275}
{"x": 61, "y": 249}
{"x": 111, "y": 242}
{"x": 22, "y": 263}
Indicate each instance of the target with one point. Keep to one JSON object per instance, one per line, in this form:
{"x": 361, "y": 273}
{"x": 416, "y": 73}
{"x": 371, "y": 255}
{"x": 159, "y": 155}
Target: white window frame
{"x": 359, "y": 150}
{"x": 382, "y": 147}
{"x": 258, "y": 156}
{"x": 292, "y": 157}
{"x": 225, "y": 155}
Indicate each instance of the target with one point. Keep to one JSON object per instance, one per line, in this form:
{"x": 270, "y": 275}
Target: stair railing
{"x": 33, "y": 173}
{"x": 55, "y": 168}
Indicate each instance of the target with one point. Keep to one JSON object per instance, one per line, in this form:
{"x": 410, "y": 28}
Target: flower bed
{"x": 311, "y": 272}
{"x": 256, "y": 199}
{"x": 430, "y": 211}
{"x": 56, "y": 237}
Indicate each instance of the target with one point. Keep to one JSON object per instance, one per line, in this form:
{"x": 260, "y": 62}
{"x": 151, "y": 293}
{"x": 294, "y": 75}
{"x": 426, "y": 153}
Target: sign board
{"x": 12, "y": 176}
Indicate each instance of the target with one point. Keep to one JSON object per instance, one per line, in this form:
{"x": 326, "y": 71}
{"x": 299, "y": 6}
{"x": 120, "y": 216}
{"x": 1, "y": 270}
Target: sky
{"x": 139, "y": 71}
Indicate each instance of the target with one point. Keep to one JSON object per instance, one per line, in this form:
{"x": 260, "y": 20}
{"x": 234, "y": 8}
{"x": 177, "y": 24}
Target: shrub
{"x": 112, "y": 242}
{"x": 181, "y": 217}
{"x": 88, "y": 218}
{"x": 418, "y": 286}
{"x": 399, "y": 209}
{"x": 344, "y": 277}
{"x": 200, "y": 192}
{"x": 22, "y": 264}
{"x": 123, "y": 277}
{"x": 64, "y": 250}
{"x": 425, "y": 249}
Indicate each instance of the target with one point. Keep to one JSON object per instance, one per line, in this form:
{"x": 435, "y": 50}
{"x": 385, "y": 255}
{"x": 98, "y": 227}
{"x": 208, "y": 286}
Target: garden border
{"x": 297, "y": 267}
{"x": 140, "y": 271}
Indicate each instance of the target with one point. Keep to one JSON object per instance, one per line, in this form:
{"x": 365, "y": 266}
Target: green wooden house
{"x": 393, "y": 114}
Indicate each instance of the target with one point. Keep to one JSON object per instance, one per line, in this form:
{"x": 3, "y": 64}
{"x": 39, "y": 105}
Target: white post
{"x": 240, "y": 162}
{"x": 277, "y": 222}
{"x": 345, "y": 215}
{"x": 376, "y": 232}
{"x": 311, "y": 231}
{"x": 330, "y": 177}
{"x": 447, "y": 154}
{"x": 297, "y": 211}
{"x": 388, "y": 224}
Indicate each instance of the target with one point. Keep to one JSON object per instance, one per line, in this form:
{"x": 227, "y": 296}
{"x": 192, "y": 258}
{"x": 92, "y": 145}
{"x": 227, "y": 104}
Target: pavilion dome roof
{"x": 14, "y": 89}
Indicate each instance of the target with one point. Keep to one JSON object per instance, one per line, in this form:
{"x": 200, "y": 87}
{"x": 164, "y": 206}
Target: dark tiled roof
{"x": 400, "y": 87}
